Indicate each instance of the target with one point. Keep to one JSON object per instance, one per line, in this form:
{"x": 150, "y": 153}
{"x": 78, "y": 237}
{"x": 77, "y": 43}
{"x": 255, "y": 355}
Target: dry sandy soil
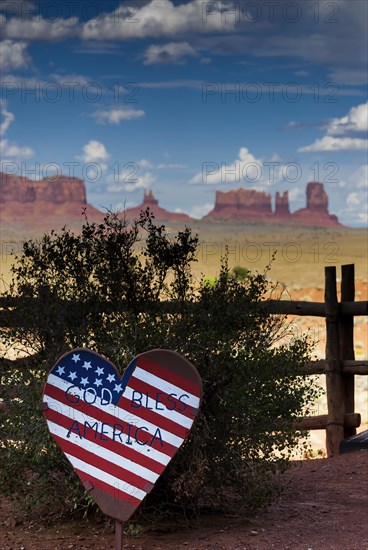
{"x": 324, "y": 507}
{"x": 301, "y": 253}
{"x": 325, "y": 504}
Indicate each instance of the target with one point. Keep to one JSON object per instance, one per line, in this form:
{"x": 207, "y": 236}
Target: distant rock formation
{"x": 38, "y": 202}
{"x": 241, "y": 203}
{"x": 149, "y": 201}
{"x": 57, "y": 190}
{"x": 252, "y": 205}
{"x": 59, "y": 199}
{"x": 282, "y": 204}
{"x": 316, "y": 211}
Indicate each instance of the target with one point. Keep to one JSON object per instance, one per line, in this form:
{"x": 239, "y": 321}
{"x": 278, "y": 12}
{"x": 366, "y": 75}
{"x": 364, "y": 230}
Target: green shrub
{"x": 240, "y": 272}
{"x": 102, "y": 289}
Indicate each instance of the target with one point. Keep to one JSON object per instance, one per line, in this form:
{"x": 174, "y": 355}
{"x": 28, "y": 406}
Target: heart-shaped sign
{"x": 120, "y": 433}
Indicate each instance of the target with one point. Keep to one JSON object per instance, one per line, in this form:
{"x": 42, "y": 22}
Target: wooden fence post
{"x": 334, "y": 379}
{"x": 346, "y": 328}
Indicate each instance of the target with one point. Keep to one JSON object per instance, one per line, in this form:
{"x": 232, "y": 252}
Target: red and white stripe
{"x": 126, "y": 471}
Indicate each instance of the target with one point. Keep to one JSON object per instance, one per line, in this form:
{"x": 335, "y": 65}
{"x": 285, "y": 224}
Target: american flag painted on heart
{"x": 120, "y": 433}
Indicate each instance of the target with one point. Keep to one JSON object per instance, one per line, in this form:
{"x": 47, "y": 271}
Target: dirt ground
{"x": 325, "y": 502}
{"x": 324, "y": 507}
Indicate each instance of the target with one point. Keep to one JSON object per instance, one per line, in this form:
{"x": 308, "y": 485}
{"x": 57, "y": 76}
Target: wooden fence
{"x": 339, "y": 366}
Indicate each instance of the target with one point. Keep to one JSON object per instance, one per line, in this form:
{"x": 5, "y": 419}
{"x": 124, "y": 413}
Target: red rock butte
{"x": 150, "y": 202}
{"x": 60, "y": 199}
{"x": 252, "y": 205}
{"x": 36, "y": 202}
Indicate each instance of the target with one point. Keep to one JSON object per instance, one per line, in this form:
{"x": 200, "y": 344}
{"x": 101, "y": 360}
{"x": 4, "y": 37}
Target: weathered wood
{"x": 355, "y": 367}
{"x": 354, "y": 308}
{"x": 118, "y": 535}
{"x": 348, "y": 367}
{"x": 351, "y": 420}
{"x": 284, "y": 307}
{"x": 294, "y": 307}
{"x": 346, "y": 328}
{"x": 314, "y": 367}
{"x": 334, "y": 380}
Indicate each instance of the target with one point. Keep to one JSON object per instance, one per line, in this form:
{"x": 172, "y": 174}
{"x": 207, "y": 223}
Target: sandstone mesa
{"x": 37, "y": 203}
{"x": 251, "y": 205}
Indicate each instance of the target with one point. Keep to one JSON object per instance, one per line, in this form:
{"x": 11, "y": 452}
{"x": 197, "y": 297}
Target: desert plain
{"x": 295, "y": 257}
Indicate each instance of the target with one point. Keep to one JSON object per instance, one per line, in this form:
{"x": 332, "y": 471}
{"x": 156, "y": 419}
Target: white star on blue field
{"x": 74, "y": 369}
{"x": 154, "y": 94}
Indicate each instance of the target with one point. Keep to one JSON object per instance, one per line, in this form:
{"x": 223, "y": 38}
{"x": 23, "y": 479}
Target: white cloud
{"x": 357, "y": 206}
{"x": 246, "y": 168}
{"x": 363, "y": 217}
{"x": 296, "y": 193}
{"x": 330, "y": 143}
{"x": 66, "y": 85}
{"x": 347, "y": 75}
{"x": 147, "y": 164}
{"x": 171, "y": 166}
{"x": 68, "y": 79}
{"x": 353, "y": 199}
{"x": 129, "y": 180}
{"x": 38, "y": 28}
{"x": 355, "y": 121}
{"x": 115, "y": 116}
{"x": 13, "y": 55}
{"x": 356, "y": 209}
{"x": 27, "y": 83}
{"x": 362, "y": 177}
{"x": 339, "y": 131}
{"x": 352, "y": 196}
{"x": 145, "y": 181}
{"x": 12, "y": 150}
{"x": 95, "y": 152}
{"x": 200, "y": 210}
{"x": 144, "y": 163}
{"x": 174, "y": 52}
{"x": 159, "y": 18}
{"x": 322, "y": 45}
{"x": 6, "y": 117}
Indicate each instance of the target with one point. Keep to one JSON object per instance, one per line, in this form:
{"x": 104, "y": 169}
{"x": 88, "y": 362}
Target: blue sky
{"x": 188, "y": 97}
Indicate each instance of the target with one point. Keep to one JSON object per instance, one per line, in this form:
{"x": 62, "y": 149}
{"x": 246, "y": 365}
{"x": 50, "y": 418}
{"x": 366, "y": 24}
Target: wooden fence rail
{"x": 339, "y": 366}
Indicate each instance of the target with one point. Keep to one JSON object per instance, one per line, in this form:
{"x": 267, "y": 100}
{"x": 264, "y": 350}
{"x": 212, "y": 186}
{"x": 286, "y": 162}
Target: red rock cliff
{"x": 282, "y": 204}
{"x": 149, "y": 201}
{"x": 316, "y": 212}
{"x": 39, "y": 203}
{"x": 57, "y": 190}
{"x": 252, "y": 205}
{"x": 241, "y": 203}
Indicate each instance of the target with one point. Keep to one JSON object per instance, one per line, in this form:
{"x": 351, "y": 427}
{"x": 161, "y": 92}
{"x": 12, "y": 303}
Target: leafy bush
{"x": 102, "y": 289}
{"x": 240, "y": 272}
